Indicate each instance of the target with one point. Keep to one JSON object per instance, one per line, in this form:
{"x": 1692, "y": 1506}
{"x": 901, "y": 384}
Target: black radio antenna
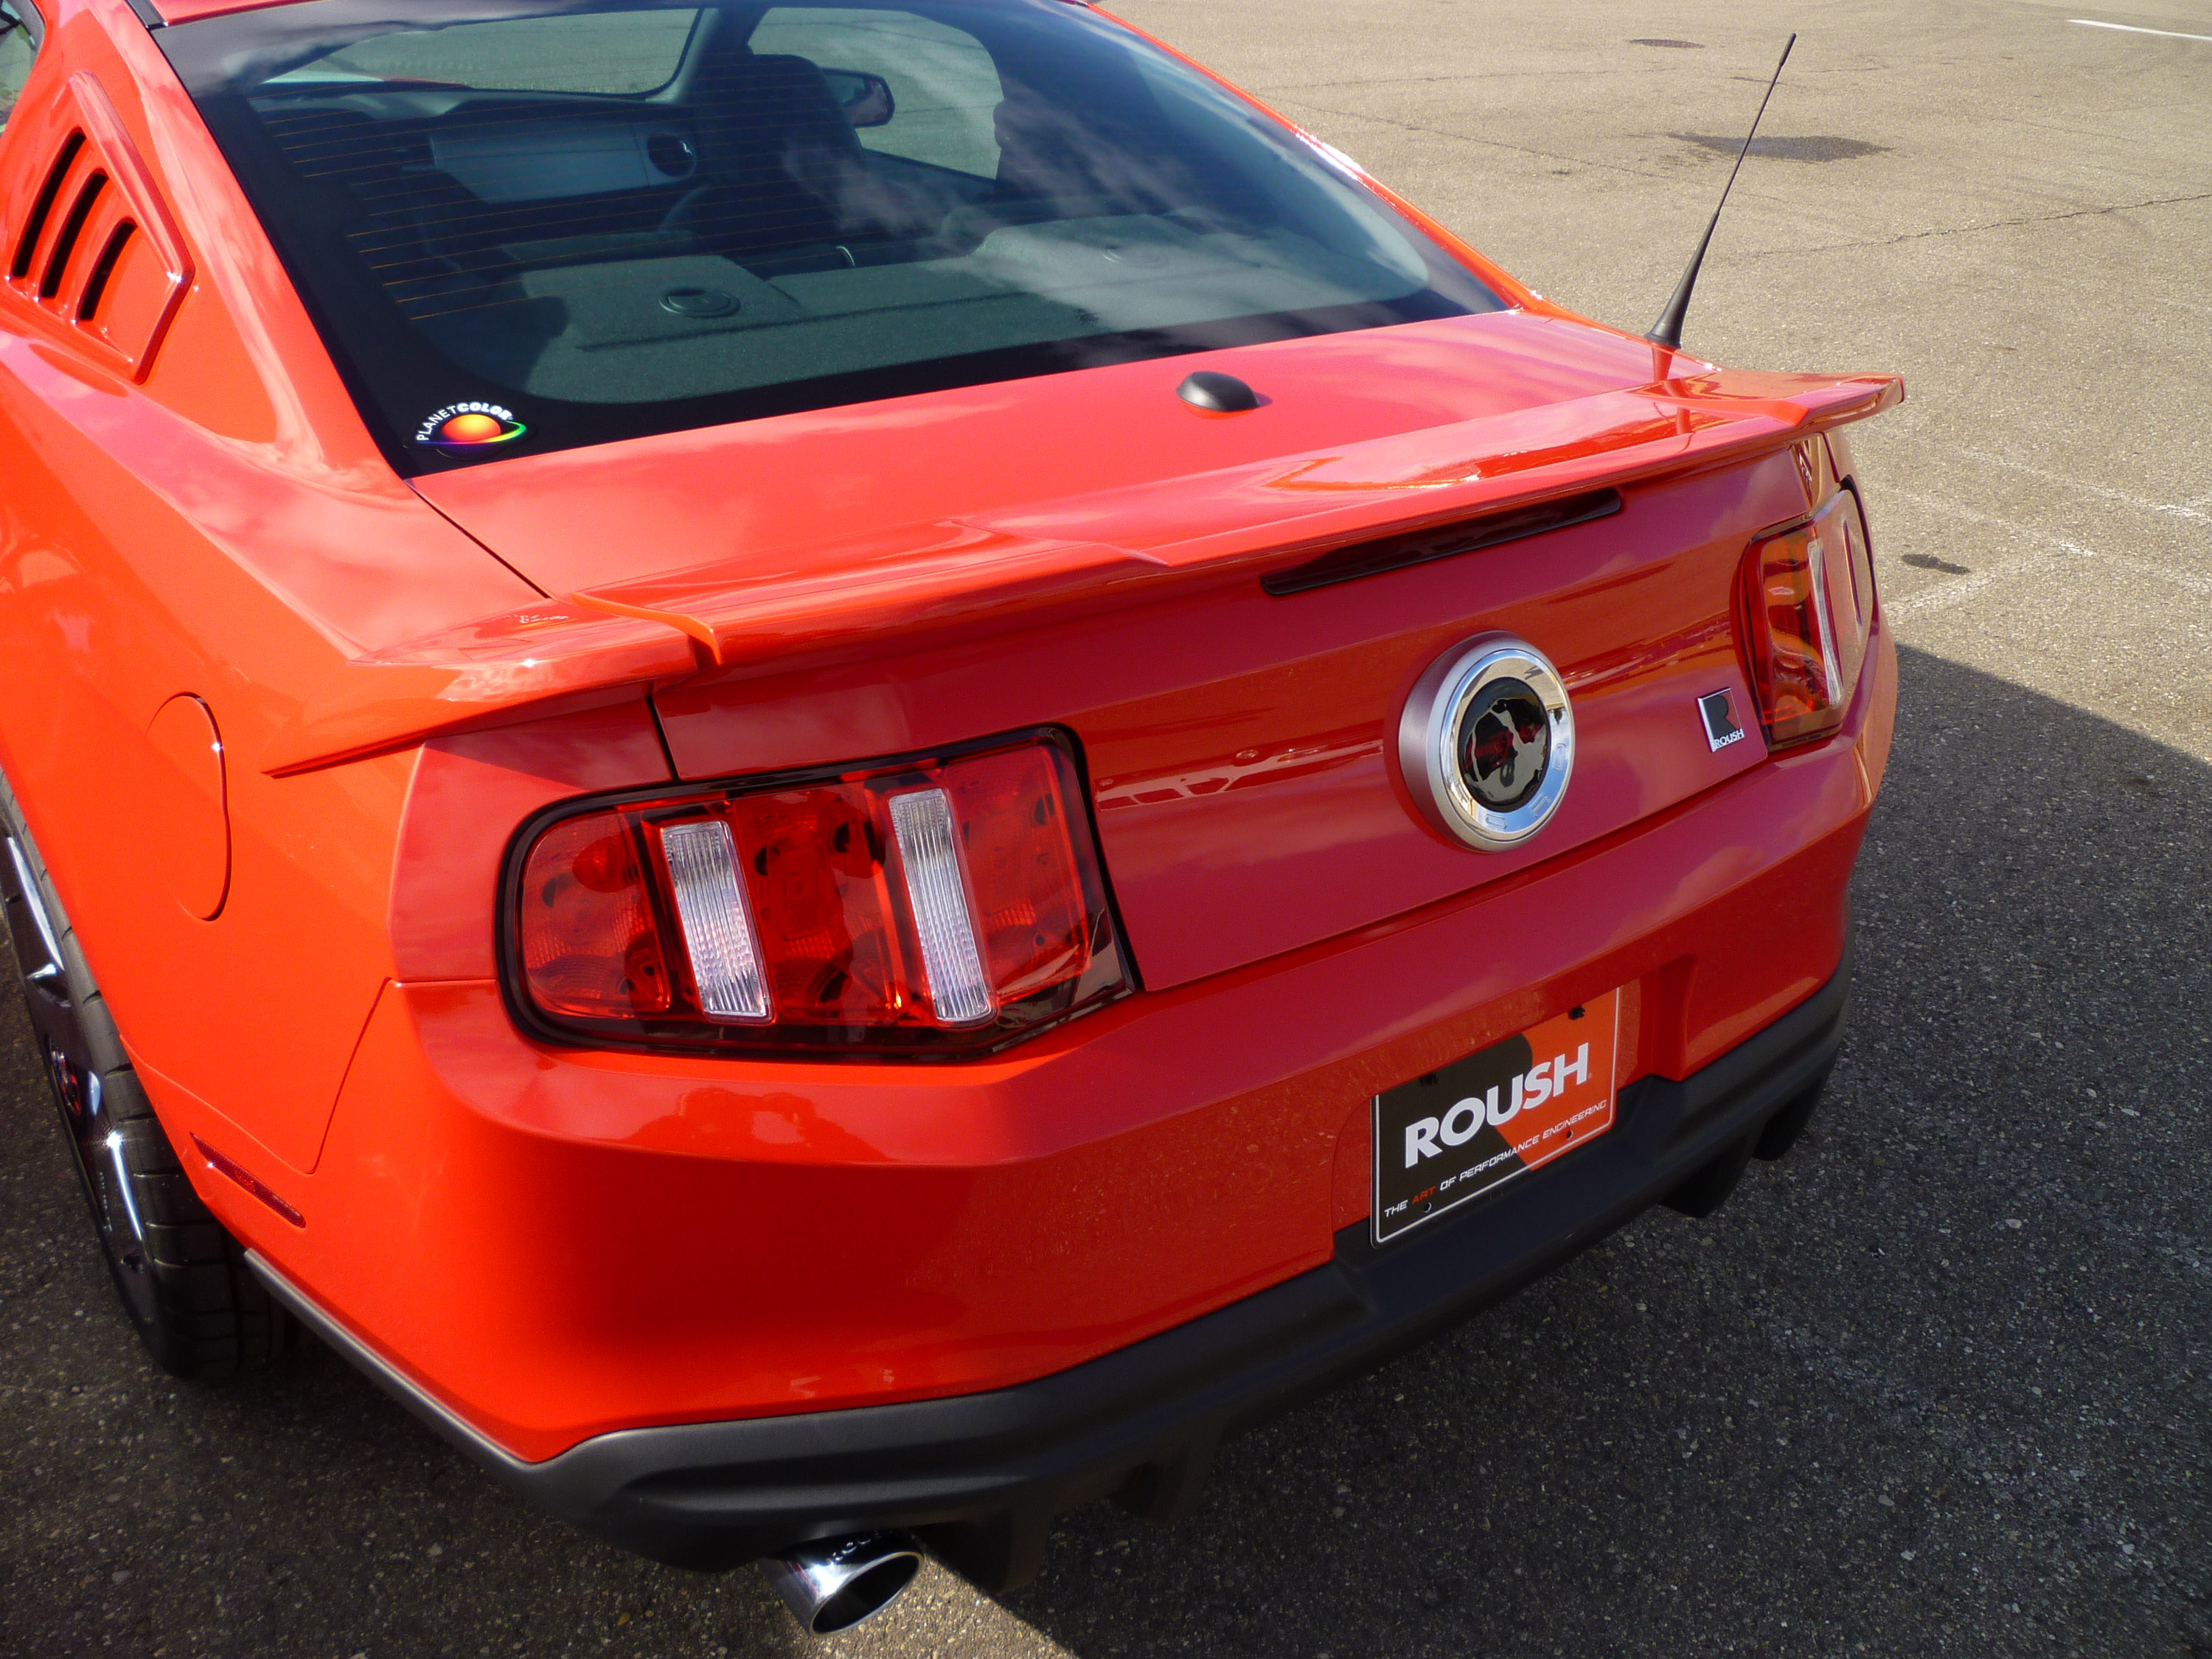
{"x": 1667, "y": 330}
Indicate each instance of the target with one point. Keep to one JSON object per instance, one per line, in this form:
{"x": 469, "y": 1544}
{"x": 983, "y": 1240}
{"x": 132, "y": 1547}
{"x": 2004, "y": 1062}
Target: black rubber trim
{"x": 982, "y": 1476}
{"x": 42, "y": 207}
{"x": 96, "y": 285}
{"x": 65, "y": 240}
{"x": 145, "y": 13}
{"x": 1372, "y": 558}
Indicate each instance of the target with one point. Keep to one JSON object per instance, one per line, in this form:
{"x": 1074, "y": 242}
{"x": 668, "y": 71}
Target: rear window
{"x": 522, "y": 228}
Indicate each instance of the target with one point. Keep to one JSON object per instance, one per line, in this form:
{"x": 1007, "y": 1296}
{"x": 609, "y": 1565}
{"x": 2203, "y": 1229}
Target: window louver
{"x": 93, "y": 246}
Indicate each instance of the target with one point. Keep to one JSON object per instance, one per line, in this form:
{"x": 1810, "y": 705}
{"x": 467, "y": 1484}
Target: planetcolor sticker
{"x": 461, "y": 427}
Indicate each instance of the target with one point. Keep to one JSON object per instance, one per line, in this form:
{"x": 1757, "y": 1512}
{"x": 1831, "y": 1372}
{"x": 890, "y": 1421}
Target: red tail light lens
{"x": 1023, "y": 871}
{"x": 948, "y": 905}
{"x": 1807, "y": 602}
{"x": 593, "y": 952}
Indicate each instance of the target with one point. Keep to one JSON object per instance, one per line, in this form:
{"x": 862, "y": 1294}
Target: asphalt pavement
{"x": 1935, "y": 1383}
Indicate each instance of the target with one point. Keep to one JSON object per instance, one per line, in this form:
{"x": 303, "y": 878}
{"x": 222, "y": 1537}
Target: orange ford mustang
{"x": 846, "y": 768}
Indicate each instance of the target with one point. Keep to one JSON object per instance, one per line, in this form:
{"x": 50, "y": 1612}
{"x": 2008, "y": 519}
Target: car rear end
{"x": 802, "y": 1241}
{"x": 950, "y": 1043}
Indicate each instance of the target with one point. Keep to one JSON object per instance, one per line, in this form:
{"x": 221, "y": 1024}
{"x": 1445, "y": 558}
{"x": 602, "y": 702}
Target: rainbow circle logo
{"x": 463, "y": 426}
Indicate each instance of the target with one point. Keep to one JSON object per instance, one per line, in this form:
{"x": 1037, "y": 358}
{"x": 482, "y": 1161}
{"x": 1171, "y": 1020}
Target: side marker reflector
{"x": 224, "y": 1166}
{"x": 923, "y": 823}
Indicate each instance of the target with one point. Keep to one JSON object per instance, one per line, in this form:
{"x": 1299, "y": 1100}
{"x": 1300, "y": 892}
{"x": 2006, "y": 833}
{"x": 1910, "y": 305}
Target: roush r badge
{"x": 1717, "y": 710}
{"x": 1487, "y": 742}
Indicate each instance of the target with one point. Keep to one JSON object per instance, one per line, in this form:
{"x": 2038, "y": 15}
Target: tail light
{"x": 947, "y": 905}
{"x": 1807, "y": 599}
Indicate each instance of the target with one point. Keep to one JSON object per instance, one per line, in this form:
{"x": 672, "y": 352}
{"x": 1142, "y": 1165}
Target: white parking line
{"x": 1943, "y": 596}
{"x": 2129, "y": 28}
{"x": 2189, "y": 510}
{"x": 1946, "y": 594}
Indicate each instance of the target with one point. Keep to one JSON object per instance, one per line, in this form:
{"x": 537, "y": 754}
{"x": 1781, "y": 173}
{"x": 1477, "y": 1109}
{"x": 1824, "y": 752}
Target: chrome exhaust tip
{"x": 832, "y": 1584}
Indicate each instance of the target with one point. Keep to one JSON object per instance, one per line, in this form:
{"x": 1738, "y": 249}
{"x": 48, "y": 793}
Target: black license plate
{"x": 1460, "y": 1131}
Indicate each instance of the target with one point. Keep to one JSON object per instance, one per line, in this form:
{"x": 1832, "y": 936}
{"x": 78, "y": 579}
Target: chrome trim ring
{"x": 1430, "y": 742}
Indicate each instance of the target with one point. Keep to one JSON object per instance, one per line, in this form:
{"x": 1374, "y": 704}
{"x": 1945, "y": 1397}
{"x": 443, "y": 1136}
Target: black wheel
{"x": 182, "y": 1277}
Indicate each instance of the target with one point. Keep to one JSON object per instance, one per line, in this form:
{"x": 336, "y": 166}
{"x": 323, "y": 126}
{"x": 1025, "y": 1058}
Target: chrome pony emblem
{"x": 1487, "y": 742}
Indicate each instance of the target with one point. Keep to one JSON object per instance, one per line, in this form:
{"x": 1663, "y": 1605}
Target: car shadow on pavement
{"x": 1934, "y": 1382}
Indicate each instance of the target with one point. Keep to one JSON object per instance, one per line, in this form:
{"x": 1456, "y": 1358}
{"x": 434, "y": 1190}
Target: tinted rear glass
{"x": 525, "y": 227}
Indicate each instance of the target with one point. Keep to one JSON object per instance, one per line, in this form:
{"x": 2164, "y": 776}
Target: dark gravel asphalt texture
{"x": 1935, "y": 1383}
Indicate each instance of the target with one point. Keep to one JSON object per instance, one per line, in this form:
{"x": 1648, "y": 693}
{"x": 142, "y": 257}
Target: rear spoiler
{"x": 978, "y": 576}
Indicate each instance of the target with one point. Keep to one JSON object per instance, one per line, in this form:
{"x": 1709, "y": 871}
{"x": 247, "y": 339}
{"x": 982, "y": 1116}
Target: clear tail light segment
{"x": 943, "y": 913}
{"x": 718, "y": 927}
{"x": 1808, "y": 603}
{"x": 946, "y": 905}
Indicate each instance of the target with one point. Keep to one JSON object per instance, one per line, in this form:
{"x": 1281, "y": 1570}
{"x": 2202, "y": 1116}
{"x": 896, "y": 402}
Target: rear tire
{"x": 182, "y": 1277}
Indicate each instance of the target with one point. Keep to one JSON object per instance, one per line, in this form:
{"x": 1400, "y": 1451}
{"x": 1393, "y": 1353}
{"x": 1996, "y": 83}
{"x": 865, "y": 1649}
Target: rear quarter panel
{"x": 226, "y": 531}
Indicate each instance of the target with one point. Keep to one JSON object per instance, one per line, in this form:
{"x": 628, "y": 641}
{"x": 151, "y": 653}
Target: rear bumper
{"x": 981, "y": 1475}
